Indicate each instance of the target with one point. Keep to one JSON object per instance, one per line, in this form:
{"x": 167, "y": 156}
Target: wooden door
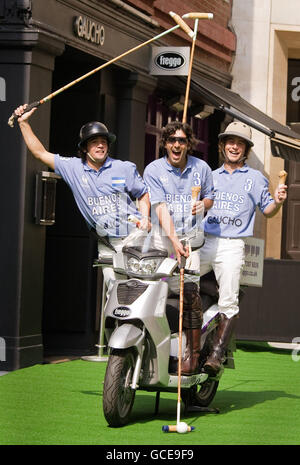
{"x": 291, "y": 210}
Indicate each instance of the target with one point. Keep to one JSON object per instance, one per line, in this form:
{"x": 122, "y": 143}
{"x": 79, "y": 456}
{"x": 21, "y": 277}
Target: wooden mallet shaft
{"x": 193, "y": 35}
{"x": 180, "y": 23}
{"x": 188, "y": 82}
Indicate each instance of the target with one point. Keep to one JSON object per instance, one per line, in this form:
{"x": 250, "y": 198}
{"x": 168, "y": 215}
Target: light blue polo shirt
{"x": 236, "y": 197}
{"x": 168, "y": 184}
{"x": 106, "y": 197}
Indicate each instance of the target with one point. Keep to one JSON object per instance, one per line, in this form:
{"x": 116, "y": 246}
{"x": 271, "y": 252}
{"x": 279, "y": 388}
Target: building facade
{"x": 50, "y": 292}
{"x": 266, "y": 72}
{"x": 50, "y": 298}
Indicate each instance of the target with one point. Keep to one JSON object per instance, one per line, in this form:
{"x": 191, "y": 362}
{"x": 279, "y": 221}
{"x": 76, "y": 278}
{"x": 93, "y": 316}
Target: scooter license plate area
{"x": 187, "y": 381}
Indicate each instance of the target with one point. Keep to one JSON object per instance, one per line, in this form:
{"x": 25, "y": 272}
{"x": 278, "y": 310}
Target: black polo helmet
{"x": 94, "y": 129}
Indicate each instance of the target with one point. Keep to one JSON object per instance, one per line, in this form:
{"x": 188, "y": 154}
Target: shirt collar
{"x": 244, "y": 169}
{"x": 173, "y": 168}
{"x": 107, "y": 164}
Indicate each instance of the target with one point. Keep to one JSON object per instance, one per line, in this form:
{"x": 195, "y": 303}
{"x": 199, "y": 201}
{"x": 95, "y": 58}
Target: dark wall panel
{"x": 271, "y": 313}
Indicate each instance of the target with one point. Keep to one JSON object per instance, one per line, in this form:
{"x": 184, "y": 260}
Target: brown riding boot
{"x": 192, "y": 323}
{"x": 222, "y": 337}
{"x": 190, "y": 359}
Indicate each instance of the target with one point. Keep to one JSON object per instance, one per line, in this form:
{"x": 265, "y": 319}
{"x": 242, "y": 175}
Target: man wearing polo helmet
{"x": 239, "y": 189}
{"x": 103, "y": 187}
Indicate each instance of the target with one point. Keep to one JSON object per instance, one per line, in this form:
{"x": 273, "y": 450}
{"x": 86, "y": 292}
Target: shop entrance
{"x": 70, "y": 285}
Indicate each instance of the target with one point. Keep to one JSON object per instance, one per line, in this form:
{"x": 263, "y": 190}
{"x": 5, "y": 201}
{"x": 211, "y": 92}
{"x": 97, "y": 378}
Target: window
{"x": 158, "y": 115}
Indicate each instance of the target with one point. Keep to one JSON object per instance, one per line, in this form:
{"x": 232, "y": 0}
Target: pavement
{"x": 285, "y": 345}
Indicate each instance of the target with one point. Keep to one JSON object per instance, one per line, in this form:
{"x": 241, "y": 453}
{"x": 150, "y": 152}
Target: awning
{"x": 285, "y": 143}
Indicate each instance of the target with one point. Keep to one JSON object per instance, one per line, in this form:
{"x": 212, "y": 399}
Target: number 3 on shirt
{"x": 248, "y": 185}
{"x": 197, "y": 178}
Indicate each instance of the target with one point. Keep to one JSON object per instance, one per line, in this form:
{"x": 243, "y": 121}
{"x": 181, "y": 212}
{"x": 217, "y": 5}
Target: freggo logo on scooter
{"x": 122, "y": 312}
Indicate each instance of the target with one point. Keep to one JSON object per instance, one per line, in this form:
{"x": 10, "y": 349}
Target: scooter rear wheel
{"x": 118, "y": 397}
{"x": 202, "y": 397}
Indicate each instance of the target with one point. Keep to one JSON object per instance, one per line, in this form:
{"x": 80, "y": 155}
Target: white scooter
{"x": 141, "y": 323}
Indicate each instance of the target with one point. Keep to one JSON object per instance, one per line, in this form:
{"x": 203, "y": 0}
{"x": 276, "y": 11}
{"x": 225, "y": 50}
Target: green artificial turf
{"x": 61, "y": 404}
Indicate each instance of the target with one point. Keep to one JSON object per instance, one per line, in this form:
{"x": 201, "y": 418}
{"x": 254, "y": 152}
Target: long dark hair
{"x": 171, "y": 128}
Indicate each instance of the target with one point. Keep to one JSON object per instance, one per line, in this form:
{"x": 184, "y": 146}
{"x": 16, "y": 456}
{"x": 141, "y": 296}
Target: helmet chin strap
{"x": 233, "y": 162}
{"x": 90, "y": 156}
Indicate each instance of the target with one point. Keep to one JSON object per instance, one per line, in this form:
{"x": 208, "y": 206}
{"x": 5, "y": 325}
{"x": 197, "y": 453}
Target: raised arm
{"x": 33, "y": 144}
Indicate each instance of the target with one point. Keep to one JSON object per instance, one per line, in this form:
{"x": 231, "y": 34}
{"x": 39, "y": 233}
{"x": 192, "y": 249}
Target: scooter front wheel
{"x": 118, "y": 397}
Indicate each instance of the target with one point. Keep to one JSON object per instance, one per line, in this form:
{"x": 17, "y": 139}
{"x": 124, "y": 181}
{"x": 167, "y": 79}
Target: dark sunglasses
{"x": 181, "y": 140}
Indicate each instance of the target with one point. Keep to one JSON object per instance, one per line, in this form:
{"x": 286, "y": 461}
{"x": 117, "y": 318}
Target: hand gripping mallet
{"x": 181, "y": 24}
{"x": 180, "y": 427}
{"x": 193, "y": 35}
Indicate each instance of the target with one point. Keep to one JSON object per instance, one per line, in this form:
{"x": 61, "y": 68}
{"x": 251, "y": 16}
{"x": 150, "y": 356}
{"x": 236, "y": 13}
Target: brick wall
{"x": 215, "y": 43}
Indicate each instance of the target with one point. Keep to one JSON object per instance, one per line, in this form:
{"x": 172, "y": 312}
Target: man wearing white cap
{"x": 239, "y": 189}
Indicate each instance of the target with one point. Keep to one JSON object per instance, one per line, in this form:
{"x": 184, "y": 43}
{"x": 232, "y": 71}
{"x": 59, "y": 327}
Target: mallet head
{"x": 196, "y": 15}
{"x": 181, "y": 427}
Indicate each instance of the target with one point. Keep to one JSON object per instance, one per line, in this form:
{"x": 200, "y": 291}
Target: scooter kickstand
{"x": 197, "y": 408}
{"x": 157, "y": 398}
{"x": 190, "y": 408}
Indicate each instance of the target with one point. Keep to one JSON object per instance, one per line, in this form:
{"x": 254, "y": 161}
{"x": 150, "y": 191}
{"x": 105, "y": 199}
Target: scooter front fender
{"x": 125, "y": 336}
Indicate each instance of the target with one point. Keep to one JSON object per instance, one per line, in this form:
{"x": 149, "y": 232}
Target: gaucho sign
{"x": 89, "y": 30}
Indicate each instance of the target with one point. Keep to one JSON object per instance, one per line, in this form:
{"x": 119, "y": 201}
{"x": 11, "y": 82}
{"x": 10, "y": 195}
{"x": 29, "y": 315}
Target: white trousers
{"x": 161, "y": 241}
{"x": 226, "y": 257}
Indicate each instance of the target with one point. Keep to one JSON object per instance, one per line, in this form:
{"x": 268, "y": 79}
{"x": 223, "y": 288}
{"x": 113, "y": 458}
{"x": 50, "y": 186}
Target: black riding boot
{"x": 192, "y": 323}
{"x": 221, "y": 341}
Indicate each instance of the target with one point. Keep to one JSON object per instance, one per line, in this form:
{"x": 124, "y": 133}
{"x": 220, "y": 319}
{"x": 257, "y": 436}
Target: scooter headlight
{"x": 146, "y": 266}
{"x": 133, "y": 265}
{"x": 140, "y": 263}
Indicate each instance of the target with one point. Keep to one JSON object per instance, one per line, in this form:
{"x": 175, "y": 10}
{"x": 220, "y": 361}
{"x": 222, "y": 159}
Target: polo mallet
{"x": 180, "y": 23}
{"x": 188, "y": 82}
{"x": 180, "y": 427}
{"x": 193, "y": 35}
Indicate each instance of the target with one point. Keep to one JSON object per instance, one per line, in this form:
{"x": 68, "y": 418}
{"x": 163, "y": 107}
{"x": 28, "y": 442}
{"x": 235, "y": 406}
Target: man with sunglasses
{"x": 174, "y": 217}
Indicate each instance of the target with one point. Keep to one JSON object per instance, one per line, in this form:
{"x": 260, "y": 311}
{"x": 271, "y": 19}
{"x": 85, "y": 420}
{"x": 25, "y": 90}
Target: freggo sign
{"x": 170, "y": 61}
